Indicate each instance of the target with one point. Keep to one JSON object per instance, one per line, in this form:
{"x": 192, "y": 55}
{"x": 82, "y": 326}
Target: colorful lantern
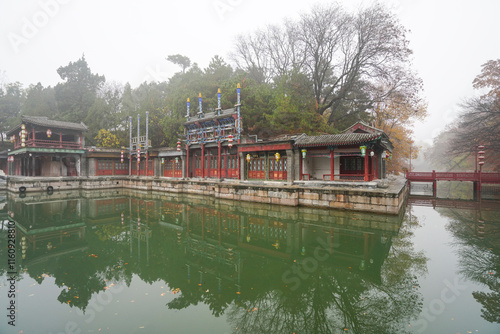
{"x": 248, "y": 157}
{"x": 49, "y": 133}
{"x": 178, "y": 146}
{"x": 363, "y": 150}
{"x": 277, "y": 156}
{"x": 230, "y": 140}
{"x": 176, "y": 160}
{"x": 303, "y": 153}
{"x": 162, "y": 161}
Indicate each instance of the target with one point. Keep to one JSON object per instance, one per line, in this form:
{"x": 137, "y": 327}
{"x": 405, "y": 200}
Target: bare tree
{"x": 340, "y": 52}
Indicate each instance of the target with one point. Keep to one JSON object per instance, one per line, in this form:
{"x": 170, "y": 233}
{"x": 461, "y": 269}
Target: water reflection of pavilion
{"x": 220, "y": 240}
{"x": 48, "y": 229}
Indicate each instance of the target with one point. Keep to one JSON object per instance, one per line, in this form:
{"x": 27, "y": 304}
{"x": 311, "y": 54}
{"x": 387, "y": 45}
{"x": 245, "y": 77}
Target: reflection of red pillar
{"x": 365, "y": 245}
{"x": 331, "y": 240}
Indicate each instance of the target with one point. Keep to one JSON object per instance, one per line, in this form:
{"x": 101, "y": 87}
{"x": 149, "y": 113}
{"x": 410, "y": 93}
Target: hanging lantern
{"x": 138, "y": 155}
{"x": 277, "y": 156}
{"x": 162, "y": 161}
{"x": 248, "y": 157}
{"x": 178, "y": 146}
{"x": 372, "y": 154}
{"x": 23, "y": 135}
{"x": 230, "y": 140}
{"x": 12, "y": 138}
{"x": 303, "y": 153}
{"x": 121, "y": 156}
{"x": 49, "y": 133}
{"x": 176, "y": 160}
{"x": 363, "y": 150}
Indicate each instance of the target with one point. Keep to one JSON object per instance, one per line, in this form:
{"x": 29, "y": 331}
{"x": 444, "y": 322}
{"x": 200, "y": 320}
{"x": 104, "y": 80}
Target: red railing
{"x": 447, "y": 176}
{"x": 49, "y": 144}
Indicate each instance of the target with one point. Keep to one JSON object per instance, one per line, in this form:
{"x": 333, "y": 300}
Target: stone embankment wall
{"x": 386, "y": 201}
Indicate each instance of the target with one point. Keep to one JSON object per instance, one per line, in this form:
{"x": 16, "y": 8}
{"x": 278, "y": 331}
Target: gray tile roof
{"x": 338, "y": 139}
{"x": 44, "y": 121}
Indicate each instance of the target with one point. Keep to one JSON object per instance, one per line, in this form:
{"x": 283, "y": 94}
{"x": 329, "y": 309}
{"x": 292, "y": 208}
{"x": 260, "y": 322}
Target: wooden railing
{"x": 452, "y": 176}
{"x": 49, "y": 144}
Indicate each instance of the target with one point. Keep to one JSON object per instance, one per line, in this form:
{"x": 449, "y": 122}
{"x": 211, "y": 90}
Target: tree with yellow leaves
{"x": 106, "y": 138}
{"x": 396, "y": 117}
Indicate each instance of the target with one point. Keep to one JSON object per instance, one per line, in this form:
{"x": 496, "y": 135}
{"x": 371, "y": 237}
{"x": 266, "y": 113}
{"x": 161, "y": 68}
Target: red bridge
{"x": 477, "y": 177}
{"x": 447, "y": 176}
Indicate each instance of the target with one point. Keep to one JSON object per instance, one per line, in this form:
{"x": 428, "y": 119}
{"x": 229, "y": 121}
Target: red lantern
{"x": 178, "y": 146}
{"x": 49, "y": 133}
{"x": 230, "y": 141}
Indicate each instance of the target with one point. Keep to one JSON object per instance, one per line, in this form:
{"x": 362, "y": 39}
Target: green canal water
{"x": 131, "y": 262}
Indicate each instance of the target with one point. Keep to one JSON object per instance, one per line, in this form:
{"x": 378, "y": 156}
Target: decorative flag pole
{"x": 138, "y": 144}
{"x": 200, "y": 113}
{"x": 130, "y": 146}
{"x": 147, "y": 143}
{"x": 187, "y": 116}
{"x": 219, "y": 109}
{"x": 238, "y": 105}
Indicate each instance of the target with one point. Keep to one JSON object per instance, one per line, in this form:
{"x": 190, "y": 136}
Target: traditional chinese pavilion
{"x": 357, "y": 154}
{"x": 44, "y": 147}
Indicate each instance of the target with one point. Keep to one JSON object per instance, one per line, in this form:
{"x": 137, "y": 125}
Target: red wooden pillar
{"x": 434, "y": 184}
{"x": 187, "y": 160}
{"x": 300, "y": 166}
{"x": 147, "y": 163}
{"x": 219, "y": 169}
{"x": 240, "y": 176}
{"x": 332, "y": 165}
{"x": 366, "y": 166}
{"x": 202, "y": 160}
{"x": 60, "y": 139}
{"x": 130, "y": 163}
{"x": 33, "y": 138}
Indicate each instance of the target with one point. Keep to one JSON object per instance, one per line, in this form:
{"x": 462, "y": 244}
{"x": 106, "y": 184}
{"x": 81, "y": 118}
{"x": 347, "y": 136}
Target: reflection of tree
{"x": 477, "y": 240}
{"x": 337, "y": 298}
{"x": 403, "y": 259}
{"x": 332, "y": 300}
